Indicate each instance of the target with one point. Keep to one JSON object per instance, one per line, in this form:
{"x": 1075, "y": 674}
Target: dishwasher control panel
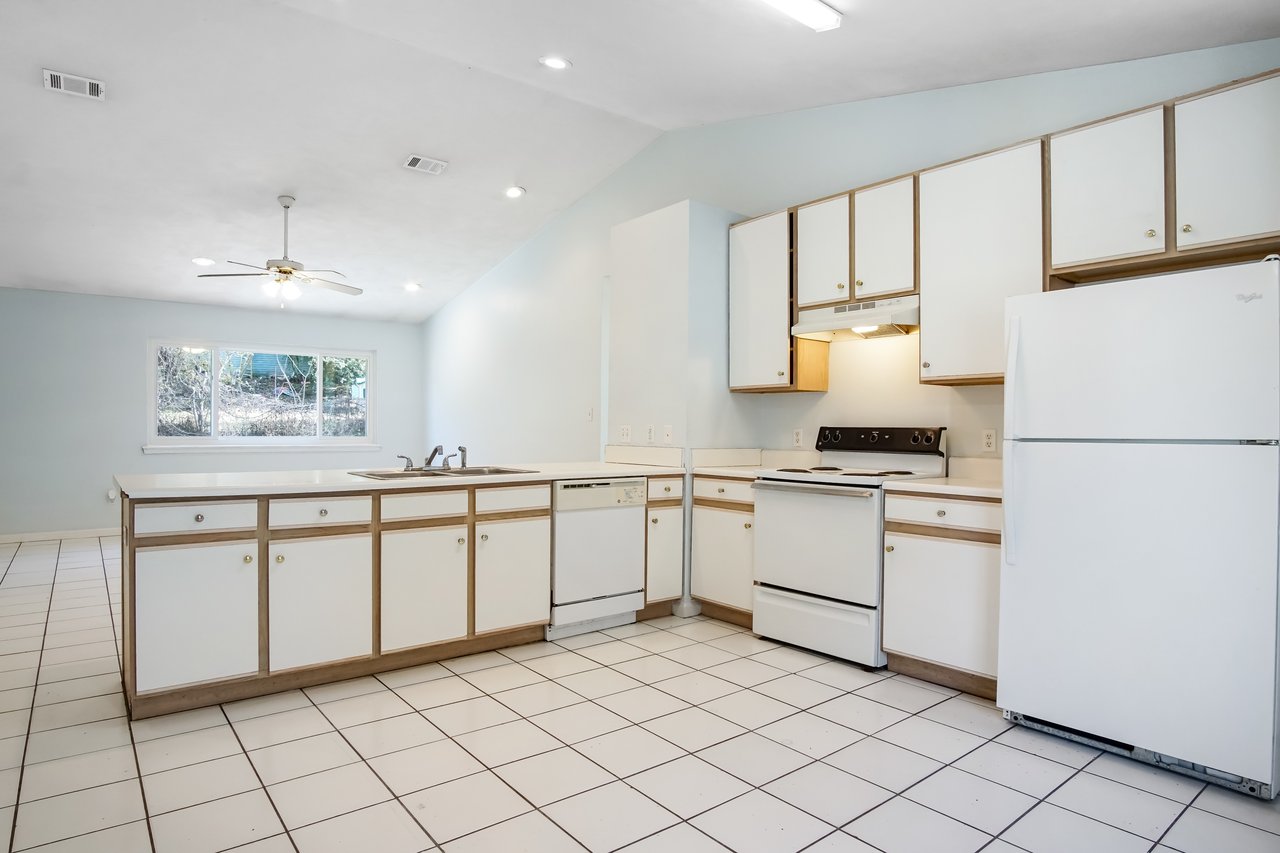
{"x": 598, "y": 494}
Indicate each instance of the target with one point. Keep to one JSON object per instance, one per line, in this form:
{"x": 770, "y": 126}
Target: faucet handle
{"x": 408, "y": 463}
{"x": 463, "y": 450}
{"x": 445, "y": 463}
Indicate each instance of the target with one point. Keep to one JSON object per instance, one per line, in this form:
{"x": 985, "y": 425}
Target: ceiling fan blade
{"x": 332, "y": 285}
{"x": 335, "y": 272}
{"x": 233, "y": 274}
{"x": 250, "y": 266}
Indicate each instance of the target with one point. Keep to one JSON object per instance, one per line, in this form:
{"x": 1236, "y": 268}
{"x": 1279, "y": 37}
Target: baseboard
{"x": 45, "y": 536}
{"x": 725, "y": 613}
{"x": 956, "y": 679}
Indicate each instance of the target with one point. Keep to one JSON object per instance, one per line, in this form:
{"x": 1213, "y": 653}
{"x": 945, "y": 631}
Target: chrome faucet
{"x": 436, "y": 451}
{"x": 463, "y": 451}
{"x": 408, "y": 463}
{"x": 445, "y": 464}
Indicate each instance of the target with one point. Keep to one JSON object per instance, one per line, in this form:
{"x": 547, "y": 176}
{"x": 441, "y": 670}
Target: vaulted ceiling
{"x": 215, "y": 108}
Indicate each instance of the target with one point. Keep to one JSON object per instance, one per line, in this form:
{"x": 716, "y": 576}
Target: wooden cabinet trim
{"x": 423, "y": 523}
{"x": 157, "y": 540}
{"x": 663, "y": 504}
{"x": 506, "y": 515}
{"x": 932, "y": 531}
{"x": 935, "y": 496}
{"x": 264, "y": 587}
{"x": 285, "y": 534}
{"x": 734, "y": 506}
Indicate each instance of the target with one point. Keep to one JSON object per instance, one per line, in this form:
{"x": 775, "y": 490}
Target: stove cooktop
{"x": 868, "y": 456}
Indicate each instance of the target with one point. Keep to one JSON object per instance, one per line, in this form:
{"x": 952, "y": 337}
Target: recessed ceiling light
{"x": 203, "y": 262}
{"x": 515, "y": 192}
{"x": 413, "y": 287}
{"x": 816, "y": 15}
{"x": 556, "y": 63}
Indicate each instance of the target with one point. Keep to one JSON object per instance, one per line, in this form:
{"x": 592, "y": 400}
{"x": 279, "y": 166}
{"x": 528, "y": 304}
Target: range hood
{"x": 857, "y": 321}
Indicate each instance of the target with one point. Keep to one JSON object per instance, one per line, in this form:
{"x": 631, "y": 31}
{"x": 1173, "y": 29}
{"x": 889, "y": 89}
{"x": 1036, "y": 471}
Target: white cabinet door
{"x": 822, "y": 252}
{"x": 321, "y": 599}
{"x": 424, "y": 586}
{"x": 664, "y": 555}
{"x": 196, "y": 613}
{"x": 760, "y": 302}
{"x": 1228, "y": 174}
{"x": 980, "y": 242}
{"x": 884, "y": 239}
{"x": 1106, "y": 189}
{"x": 942, "y": 601}
{"x": 513, "y": 573}
{"x": 722, "y": 560}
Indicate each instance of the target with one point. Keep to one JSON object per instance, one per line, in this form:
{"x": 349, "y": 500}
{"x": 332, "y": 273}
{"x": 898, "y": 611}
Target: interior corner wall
{"x": 514, "y": 362}
{"x": 75, "y": 383}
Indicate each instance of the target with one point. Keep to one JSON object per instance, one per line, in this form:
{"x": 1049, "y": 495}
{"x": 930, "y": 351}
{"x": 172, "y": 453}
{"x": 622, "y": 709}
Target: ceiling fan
{"x": 285, "y": 274}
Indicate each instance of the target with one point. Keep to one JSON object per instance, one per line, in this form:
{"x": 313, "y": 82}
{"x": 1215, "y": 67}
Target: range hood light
{"x": 863, "y": 330}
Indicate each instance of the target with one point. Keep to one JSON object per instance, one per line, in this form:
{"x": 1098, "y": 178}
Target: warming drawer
{"x": 842, "y": 630}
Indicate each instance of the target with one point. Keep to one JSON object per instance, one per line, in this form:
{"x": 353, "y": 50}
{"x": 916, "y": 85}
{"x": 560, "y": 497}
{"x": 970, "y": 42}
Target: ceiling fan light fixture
{"x": 271, "y": 288}
{"x": 814, "y": 14}
{"x": 515, "y": 192}
{"x": 203, "y": 262}
{"x": 289, "y": 290}
{"x": 555, "y": 63}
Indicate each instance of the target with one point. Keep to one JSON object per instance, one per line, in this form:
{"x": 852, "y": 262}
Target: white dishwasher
{"x": 597, "y": 566}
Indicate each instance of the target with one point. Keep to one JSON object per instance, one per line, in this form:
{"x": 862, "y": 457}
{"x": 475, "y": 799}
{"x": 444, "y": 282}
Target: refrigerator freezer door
{"x": 1188, "y": 356}
{"x": 1138, "y": 596}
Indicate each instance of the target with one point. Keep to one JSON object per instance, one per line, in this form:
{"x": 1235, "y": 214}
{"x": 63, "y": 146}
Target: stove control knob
{"x": 915, "y": 438}
{"x": 826, "y": 436}
{"x": 875, "y": 436}
{"x": 928, "y": 438}
{"x": 836, "y": 437}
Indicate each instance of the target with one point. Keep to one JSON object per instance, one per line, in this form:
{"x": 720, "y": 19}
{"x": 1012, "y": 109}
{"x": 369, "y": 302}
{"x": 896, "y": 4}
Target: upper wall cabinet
{"x": 1228, "y": 170}
{"x": 1106, "y": 190}
{"x": 822, "y": 252}
{"x": 884, "y": 239}
{"x": 980, "y": 242}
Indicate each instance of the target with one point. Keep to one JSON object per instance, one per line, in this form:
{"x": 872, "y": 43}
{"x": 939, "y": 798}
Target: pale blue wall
{"x": 514, "y": 362}
{"x": 73, "y": 397}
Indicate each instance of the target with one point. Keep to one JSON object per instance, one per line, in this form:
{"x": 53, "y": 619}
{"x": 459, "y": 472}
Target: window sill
{"x": 261, "y": 448}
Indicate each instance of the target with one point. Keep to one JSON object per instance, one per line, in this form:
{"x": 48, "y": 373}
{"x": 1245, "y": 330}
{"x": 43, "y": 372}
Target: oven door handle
{"x": 838, "y": 491}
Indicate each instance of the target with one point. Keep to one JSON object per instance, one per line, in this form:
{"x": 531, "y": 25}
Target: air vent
{"x": 425, "y": 164}
{"x": 72, "y": 84}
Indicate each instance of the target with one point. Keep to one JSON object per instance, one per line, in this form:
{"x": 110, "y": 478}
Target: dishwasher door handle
{"x": 838, "y": 491}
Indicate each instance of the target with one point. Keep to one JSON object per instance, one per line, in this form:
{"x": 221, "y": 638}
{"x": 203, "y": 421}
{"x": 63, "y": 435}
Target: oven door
{"x": 821, "y": 540}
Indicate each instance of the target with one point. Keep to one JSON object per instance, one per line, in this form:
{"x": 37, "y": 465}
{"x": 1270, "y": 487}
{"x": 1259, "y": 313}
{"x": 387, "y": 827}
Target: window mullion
{"x": 215, "y": 376}
{"x": 319, "y": 395}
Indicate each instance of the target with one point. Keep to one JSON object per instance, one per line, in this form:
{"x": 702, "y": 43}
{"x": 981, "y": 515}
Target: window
{"x": 233, "y": 395}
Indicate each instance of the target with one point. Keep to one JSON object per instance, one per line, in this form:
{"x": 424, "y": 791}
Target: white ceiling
{"x": 215, "y": 108}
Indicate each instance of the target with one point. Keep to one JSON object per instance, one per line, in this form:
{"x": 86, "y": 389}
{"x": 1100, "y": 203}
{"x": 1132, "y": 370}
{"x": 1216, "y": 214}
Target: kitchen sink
{"x": 411, "y": 474}
{"x": 485, "y": 469}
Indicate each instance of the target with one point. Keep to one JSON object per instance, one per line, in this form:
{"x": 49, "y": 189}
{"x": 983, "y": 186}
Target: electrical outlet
{"x": 797, "y": 438}
{"x": 667, "y": 434}
{"x": 624, "y": 434}
{"x": 989, "y": 440}
{"x": 649, "y": 434}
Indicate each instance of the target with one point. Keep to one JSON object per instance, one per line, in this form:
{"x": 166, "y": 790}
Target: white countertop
{"x": 740, "y": 471}
{"x": 962, "y": 486}
{"x": 323, "y": 481}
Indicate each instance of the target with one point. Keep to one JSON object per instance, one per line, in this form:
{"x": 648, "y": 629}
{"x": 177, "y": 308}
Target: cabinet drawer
{"x": 515, "y": 498}
{"x": 315, "y": 512}
{"x": 723, "y": 490}
{"x": 666, "y": 490}
{"x": 427, "y": 505}
{"x": 195, "y": 517}
{"x": 972, "y": 515}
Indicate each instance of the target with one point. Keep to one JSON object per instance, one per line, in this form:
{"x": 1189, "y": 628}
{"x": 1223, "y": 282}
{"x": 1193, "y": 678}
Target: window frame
{"x": 215, "y": 443}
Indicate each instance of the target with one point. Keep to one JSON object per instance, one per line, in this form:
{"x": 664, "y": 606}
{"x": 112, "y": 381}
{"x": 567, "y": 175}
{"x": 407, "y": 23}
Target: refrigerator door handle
{"x": 1011, "y": 358}
{"x": 1009, "y": 503}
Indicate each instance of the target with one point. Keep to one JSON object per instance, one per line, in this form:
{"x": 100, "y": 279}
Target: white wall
{"x": 73, "y": 392}
{"x": 514, "y": 362}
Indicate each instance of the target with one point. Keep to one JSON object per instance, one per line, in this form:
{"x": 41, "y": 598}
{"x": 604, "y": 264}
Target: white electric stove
{"x": 819, "y": 537}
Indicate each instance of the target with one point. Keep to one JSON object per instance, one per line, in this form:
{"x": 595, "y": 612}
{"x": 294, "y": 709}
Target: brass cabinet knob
{"x": 857, "y": 283}
{"x": 746, "y": 525}
{"x": 925, "y": 365}
{"x": 248, "y": 558}
{"x": 653, "y": 521}
{"x": 782, "y": 373}
{"x": 199, "y": 517}
{"x": 720, "y": 490}
{"x": 839, "y": 285}
{"x": 666, "y": 488}
{"x": 279, "y": 558}
{"x": 1151, "y": 232}
{"x": 323, "y": 512}
{"x": 1186, "y": 229}
{"x": 888, "y": 549}
{"x": 461, "y": 541}
{"x": 941, "y": 513}
{"x": 484, "y": 537}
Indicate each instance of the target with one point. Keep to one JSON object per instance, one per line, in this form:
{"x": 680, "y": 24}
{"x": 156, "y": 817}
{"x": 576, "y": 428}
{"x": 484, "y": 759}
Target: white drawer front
{"x": 723, "y": 490}
{"x": 971, "y": 515}
{"x": 314, "y": 512}
{"x": 514, "y": 498}
{"x": 848, "y": 632}
{"x": 666, "y": 489}
{"x": 195, "y": 517}
{"x": 427, "y": 505}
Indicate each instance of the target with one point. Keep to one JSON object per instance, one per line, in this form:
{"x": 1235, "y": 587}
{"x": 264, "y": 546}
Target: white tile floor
{"x": 673, "y": 735}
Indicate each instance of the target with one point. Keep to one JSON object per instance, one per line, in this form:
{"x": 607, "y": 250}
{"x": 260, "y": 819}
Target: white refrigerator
{"x": 1138, "y": 588}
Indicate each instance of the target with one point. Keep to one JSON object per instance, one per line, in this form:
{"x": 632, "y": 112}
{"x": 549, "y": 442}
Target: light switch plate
{"x": 624, "y": 434}
{"x": 649, "y": 434}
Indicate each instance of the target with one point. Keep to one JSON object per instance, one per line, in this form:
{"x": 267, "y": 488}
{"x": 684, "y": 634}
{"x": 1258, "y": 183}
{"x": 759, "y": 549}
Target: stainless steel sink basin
{"x": 393, "y": 474}
{"x": 485, "y": 469}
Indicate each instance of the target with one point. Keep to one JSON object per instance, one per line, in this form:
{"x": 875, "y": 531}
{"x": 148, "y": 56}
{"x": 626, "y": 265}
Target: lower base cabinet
{"x": 664, "y": 554}
{"x": 321, "y": 599}
{"x": 513, "y": 573}
{"x": 723, "y": 556}
{"x": 424, "y": 586}
{"x": 942, "y": 600}
{"x": 196, "y": 613}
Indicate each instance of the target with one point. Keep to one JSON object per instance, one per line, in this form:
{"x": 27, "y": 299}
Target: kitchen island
{"x": 241, "y": 584}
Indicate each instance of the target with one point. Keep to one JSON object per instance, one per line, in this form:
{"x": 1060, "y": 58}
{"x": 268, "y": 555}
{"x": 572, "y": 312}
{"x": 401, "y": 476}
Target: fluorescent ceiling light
{"x": 515, "y": 192}
{"x": 203, "y": 262}
{"x": 556, "y": 63}
{"x": 413, "y": 287}
{"x": 816, "y": 15}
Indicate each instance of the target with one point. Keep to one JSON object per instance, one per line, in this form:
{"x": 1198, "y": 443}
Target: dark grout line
{"x": 256, "y": 774}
